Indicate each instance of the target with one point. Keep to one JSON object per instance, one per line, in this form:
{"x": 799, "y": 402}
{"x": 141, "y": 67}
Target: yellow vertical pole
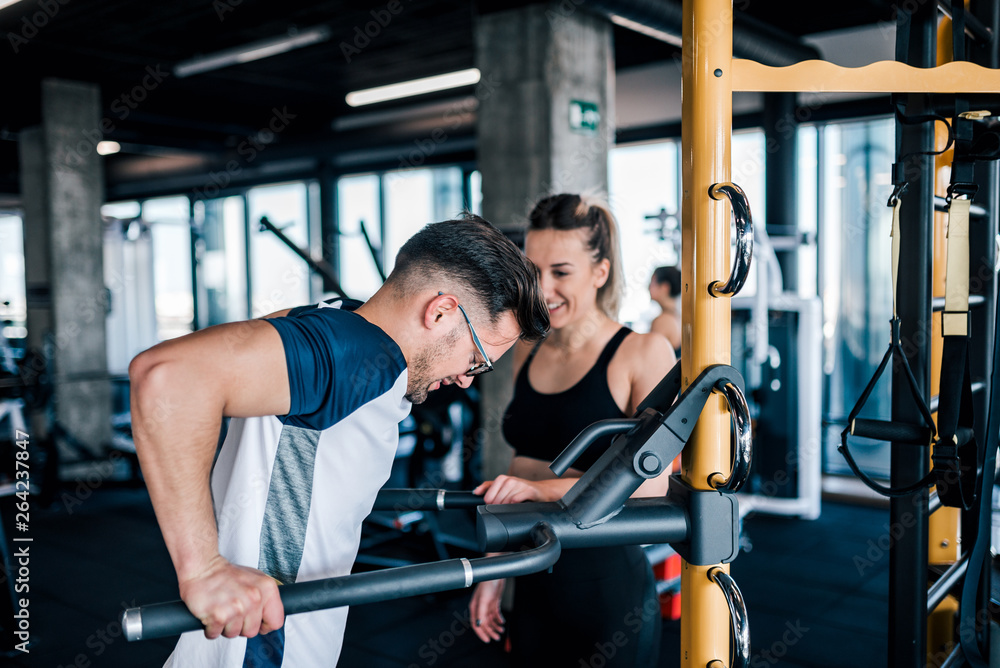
{"x": 705, "y": 145}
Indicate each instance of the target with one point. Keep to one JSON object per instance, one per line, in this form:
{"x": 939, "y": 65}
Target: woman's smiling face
{"x": 569, "y": 276}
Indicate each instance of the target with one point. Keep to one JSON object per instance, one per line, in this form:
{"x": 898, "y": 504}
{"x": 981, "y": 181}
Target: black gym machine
{"x": 702, "y": 526}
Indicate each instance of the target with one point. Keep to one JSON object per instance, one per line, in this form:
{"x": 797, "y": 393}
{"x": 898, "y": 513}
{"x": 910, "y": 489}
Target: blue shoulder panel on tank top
{"x": 337, "y": 361}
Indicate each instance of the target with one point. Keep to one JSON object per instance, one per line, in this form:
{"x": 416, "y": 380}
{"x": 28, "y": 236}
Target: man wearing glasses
{"x": 317, "y": 394}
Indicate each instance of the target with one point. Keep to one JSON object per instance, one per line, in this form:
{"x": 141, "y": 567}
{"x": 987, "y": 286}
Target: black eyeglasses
{"x": 482, "y": 367}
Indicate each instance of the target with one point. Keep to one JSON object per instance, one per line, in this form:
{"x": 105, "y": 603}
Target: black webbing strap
{"x": 880, "y": 429}
{"x": 957, "y": 457}
{"x": 979, "y": 557}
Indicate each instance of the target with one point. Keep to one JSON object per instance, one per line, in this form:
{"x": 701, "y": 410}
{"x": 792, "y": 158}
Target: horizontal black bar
{"x": 937, "y": 304}
{"x": 977, "y": 386}
{"x": 641, "y": 521}
{"x": 586, "y": 438}
{"x": 162, "y": 620}
{"x": 975, "y": 211}
{"x": 944, "y": 584}
{"x": 974, "y": 28}
{"x": 403, "y": 500}
{"x": 896, "y": 432}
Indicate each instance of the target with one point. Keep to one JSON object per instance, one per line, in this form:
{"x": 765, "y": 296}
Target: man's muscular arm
{"x": 181, "y": 389}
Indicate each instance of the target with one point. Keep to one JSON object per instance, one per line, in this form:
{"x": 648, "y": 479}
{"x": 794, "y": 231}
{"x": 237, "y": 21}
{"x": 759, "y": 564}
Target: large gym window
{"x": 644, "y": 183}
{"x": 13, "y": 305}
{"x": 169, "y": 219}
{"x": 855, "y": 280}
{"x": 279, "y": 279}
{"x": 222, "y": 260}
{"x": 393, "y": 206}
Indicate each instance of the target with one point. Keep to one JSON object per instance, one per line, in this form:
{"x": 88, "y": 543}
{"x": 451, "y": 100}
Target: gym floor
{"x": 813, "y": 590}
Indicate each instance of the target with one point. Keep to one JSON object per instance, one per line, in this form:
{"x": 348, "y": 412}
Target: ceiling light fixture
{"x": 415, "y": 87}
{"x": 108, "y": 147}
{"x": 250, "y": 52}
{"x": 646, "y": 30}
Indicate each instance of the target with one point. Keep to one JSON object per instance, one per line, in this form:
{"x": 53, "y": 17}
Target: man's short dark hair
{"x": 671, "y": 275}
{"x": 472, "y": 252}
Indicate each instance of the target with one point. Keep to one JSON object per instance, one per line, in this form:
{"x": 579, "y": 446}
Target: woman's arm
{"x": 649, "y": 358}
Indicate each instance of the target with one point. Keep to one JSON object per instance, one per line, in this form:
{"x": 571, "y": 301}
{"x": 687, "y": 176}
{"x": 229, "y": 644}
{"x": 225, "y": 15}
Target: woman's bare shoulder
{"x": 643, "y": 350}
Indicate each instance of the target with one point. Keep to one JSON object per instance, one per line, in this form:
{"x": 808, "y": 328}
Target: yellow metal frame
{"x": 819, "y": 76}
{"x": 705, "y": 146}
{"x": 710, "y": 76}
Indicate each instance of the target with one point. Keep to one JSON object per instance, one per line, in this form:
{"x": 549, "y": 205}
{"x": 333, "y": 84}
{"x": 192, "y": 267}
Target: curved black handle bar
{"x": 162, "y": 620}
{"x": 586, "y": 438}
{"x": 744, "y": 238}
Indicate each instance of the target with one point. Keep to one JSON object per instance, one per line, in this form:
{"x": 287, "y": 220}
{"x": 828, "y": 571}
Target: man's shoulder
{"x": 349, "y": 337}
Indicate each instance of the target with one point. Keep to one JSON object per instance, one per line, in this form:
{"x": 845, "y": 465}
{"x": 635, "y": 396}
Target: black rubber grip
{"x": 403, "y": 500}
{"x": 898, "y": 432}
{"x": 162, "y": 620}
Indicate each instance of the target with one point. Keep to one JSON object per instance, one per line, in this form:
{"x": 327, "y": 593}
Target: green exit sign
{"x": 584, "y": 117}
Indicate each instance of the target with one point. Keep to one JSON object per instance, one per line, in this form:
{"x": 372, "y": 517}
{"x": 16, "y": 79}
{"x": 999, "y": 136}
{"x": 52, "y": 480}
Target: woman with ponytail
{"x": 589, "y": 368}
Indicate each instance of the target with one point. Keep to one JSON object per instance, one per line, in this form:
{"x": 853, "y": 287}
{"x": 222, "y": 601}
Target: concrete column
{"x": 62, "y": 189}
{"x": 546, "y": 69}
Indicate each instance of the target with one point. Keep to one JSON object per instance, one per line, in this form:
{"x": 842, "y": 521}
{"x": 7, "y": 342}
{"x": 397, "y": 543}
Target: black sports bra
{"x": 542, "y": 425}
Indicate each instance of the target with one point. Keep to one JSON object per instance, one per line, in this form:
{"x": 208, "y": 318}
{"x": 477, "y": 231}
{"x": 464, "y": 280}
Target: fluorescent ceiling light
{"x": 108, "y": 147}
{"x": 7, "y": 3}
{"x": 415, "y": 87}
{"x": 646, "y": 30}
{"x": 254, "y": 51}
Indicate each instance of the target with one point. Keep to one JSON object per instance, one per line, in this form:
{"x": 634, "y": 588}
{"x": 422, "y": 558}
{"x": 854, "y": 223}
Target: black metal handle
{"x": 737, "y": 615}
{"x": 742, "y": 437}
{"x": 744, "y": 238}
{"x": 585, "y": 438}
{"x": 162, "y": 620}
{"x": 404, "y": 500}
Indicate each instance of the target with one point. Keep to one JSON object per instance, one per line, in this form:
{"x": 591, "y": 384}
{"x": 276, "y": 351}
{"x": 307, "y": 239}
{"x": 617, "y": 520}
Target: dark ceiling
{"x": 118, "y": 43}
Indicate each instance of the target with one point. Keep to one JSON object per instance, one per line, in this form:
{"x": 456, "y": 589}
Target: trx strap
{"x": 969, "y": 627}
{"x": 957, "y": 457}
{"x": 881, "y": 429}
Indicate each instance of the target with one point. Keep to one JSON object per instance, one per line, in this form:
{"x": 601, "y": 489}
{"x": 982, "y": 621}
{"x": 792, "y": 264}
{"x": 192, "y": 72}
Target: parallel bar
{"x": 402, "y": 500}
{"x": 937, "y": 305}
{"x": 641, "y": 522}
{"x": 975, "y": 211}
{"x": 162, "y": 620}
{"x": 818, "y": 76}
{"x": 948, "y": 579}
